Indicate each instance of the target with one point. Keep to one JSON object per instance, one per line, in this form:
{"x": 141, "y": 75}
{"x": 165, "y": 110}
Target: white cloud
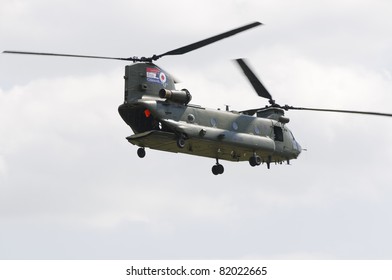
{"x": 3, "y": 168}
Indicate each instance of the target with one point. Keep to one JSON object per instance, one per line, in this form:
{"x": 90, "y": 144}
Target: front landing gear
{"x": 254, "y": 160}
{"x": 217, "y": 168}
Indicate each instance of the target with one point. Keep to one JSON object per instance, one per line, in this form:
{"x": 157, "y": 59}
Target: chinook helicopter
{"x": 162, "y": 117}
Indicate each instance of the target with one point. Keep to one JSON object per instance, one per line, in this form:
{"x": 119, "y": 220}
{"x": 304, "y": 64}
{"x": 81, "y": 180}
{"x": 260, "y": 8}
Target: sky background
{"x": 72, "y": 187}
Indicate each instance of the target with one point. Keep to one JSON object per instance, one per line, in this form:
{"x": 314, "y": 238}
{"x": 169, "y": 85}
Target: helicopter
{"x": 162, "y": 117}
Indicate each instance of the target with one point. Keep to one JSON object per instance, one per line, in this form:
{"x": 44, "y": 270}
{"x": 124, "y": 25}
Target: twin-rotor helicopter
{"x": 162, "y": 117}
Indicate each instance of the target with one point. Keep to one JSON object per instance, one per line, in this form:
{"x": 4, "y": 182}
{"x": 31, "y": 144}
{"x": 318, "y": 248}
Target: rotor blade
{"x": 207, "y": 41}
{"x": 72, "y": 55}
{"x": 256, "y": 83}
{"x": 178, "y": 51}
{"x": 286, "y": 107}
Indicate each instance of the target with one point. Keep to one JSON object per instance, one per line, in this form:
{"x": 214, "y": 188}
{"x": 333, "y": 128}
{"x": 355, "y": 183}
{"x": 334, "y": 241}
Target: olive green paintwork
{"x": 210, "y": 133}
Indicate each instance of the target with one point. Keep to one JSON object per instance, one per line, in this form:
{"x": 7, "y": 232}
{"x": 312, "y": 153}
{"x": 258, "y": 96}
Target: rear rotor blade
{"x": 256, "y": 83}
{"x": 73, "y": 55}
{"x": 178, "y": 51}
{"x": 286, "y": 107}
{"x": 207, "y": 41}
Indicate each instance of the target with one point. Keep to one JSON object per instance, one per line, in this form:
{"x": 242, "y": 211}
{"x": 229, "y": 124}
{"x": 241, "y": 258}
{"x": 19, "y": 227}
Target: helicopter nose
{"x": 297, "y": 148}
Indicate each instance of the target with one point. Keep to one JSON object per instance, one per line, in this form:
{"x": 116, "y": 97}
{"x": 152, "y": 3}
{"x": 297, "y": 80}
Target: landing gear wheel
{"x": 141, "y": 152}
{"x": 254, "y": 160}
{"x": 181, "y": 142}
{"x": 218, "y": 169}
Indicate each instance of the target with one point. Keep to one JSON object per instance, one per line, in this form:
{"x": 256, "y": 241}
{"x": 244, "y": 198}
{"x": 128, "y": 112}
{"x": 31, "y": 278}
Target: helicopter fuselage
{"x": 219, "y": 134}
{"x": 162, "y": 119}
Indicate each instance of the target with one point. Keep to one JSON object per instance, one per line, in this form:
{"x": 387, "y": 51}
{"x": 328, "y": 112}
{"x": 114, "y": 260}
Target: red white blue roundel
{"x": 162, "y": 77}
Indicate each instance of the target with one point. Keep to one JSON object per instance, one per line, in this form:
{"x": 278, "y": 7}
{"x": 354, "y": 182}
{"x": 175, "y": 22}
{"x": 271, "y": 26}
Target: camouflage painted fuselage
{"x": 159, "y": 123}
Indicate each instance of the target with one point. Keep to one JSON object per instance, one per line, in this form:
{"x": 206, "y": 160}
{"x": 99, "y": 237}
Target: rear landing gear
{"x": 141, "y": 152}
{"x": 217, "y": 168}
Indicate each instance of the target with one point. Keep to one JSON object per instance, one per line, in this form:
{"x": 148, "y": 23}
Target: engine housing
{"x": 178, "y": 96}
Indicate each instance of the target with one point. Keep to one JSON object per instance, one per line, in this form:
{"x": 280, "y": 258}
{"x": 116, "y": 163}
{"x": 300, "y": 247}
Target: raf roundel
{"x": 162, "y": 77}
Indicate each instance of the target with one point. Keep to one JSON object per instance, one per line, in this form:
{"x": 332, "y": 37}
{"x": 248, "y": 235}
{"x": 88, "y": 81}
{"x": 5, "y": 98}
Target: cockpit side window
{"x": 278, "y": 132}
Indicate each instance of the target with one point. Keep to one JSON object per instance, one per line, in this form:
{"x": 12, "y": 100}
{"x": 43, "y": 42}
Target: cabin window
{"x": 191, "y": 118}
{"x": 213, "y": 122}
{"x": 257, "y": 130}
{"x": 235, "y": 126}
{"x": 278, "y": 132}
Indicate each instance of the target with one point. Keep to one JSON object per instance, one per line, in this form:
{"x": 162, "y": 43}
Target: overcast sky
{"x": 72, "y": 187}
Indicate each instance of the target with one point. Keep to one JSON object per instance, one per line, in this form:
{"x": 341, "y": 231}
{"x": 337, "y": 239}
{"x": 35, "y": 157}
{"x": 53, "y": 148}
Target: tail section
{"x": 145, "y": 80}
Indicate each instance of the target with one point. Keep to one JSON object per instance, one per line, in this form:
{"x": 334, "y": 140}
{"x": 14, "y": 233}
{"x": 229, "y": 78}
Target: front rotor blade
{"x": 207, "y": 41}
{"x": 256, "y": 83}
{"x": 71, "y": 55}
{"x": 286, "y": 107}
